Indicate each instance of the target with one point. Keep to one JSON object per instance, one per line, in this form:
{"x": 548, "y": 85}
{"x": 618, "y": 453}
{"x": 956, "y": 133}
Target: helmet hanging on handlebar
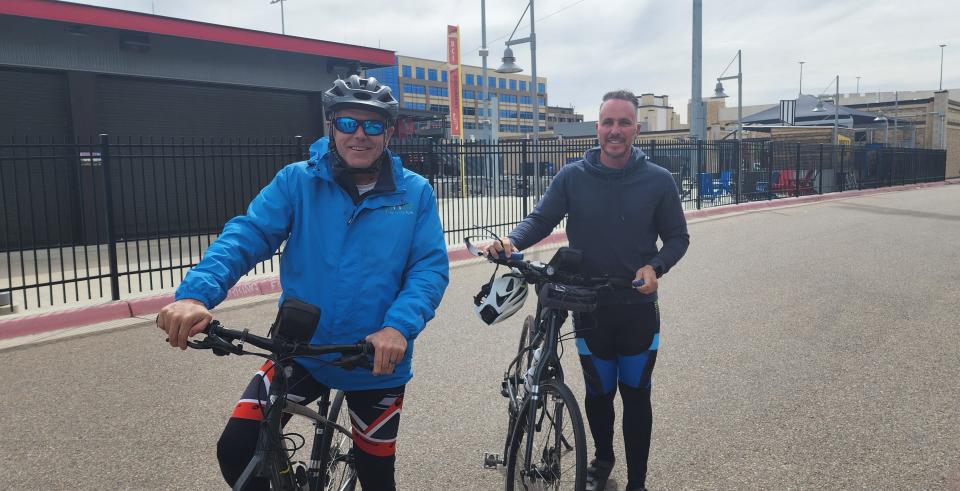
{"x": 501, "y": 298}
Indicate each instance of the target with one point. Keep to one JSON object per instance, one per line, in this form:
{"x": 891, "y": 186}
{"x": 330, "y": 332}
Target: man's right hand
{"x": 182, "y": 319}
{"x": 495, "y": 248}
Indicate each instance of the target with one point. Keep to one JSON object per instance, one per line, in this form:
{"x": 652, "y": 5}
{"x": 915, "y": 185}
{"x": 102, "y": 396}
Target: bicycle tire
{"x": 520, "y": 369}
{"x": 341, "y": 472}
{"x": 550, "y": 470}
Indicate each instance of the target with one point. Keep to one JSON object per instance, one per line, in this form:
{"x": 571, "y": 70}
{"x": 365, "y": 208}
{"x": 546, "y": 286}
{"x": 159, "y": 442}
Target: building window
{"x": 469, "y": 126}
{"x": 439, "y": 108}
{"x": 525, "y": 99}
{"x": 513, "y": 84}
{"x": 469, "y": 79}
{"x": 420, "y": 75}
{"x": 443, "y": 76}
{"x": 541, "y": 88}
{"x": 508, "y": 98}
{"x": 523, "y": 86}
{"x": 540, "y": 100}
{"x": 414, "y": 89}
{"x": 469, "y": 110}
{"x": 468, "y": 94}
{"x": 503, "y": 83}
{"x": 492, "y": 82}
{"x": 406, "y": 71}
{"x": 432, "y": 74}
{"x": 415, "y": 105}
{"x": 439, "y": 91}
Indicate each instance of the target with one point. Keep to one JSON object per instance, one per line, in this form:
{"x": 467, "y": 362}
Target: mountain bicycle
{"x": 331, "y": 464}
{"x": 545, "y": 446}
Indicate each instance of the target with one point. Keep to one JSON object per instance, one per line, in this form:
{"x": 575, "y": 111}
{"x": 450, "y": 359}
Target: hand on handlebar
{"x": 497, "y": 250}
{"x": 183, "y": 319}
{"x": 646, "y": 280}
{"x": 389, "y": 347}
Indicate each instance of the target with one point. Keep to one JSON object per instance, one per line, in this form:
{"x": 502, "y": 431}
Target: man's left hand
{"x": 389, "y": 347}
{"x": 649, "y": 277}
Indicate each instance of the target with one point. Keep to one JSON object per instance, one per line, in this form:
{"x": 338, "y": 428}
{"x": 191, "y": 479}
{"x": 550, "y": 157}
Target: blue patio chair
{"x": 764, "y": 186}
{"x": 707, "y": 189}
{"x": 723, "y": 186}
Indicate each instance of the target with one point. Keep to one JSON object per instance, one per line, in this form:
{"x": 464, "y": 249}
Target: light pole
{"x": 836, "y": 106}
{"x": 510, "y": 66}
{"x": 801, "y": 76}
{"x": 720, "y": 93}
{"x": 941, "y": 65}
{"x": 858, "y": 85}
{"x": 283, "y": 28}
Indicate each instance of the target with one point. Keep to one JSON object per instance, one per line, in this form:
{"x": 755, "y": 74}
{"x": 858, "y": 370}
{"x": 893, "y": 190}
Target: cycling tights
{"x": 375, "y": 416}
{"x": 618, "y": 347}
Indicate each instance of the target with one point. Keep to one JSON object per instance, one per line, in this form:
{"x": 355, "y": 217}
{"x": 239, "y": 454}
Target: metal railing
{"x": 110, "y": 219}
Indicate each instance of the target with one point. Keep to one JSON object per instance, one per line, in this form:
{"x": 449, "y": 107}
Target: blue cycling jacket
{"x": 382, "y": 262}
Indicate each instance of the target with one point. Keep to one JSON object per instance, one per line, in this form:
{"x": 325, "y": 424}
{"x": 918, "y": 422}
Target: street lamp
{"x": 510, "y": 66}
{"x": 836, "y": 106}
{"x": 283, "y": 28}
{"x": 886, "y": 125}
{"x": 858, "y": 85}
{"x": 718, "y": 92}
{"x": 941, "y": 65}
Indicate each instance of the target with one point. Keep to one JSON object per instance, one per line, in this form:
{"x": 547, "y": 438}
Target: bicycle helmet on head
{"x": 360, "y": 93}
{"x": 501, "y": 298}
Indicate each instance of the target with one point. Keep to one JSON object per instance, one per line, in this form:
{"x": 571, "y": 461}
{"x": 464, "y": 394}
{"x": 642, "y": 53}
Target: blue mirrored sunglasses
{"x": 371, "y": 127}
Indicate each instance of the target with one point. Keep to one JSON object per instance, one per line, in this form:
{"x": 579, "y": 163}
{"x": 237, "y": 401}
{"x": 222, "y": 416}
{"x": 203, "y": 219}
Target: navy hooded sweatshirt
{"x": 614, "y": 216}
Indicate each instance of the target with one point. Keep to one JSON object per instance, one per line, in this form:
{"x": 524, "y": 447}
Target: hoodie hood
{"x": 594, "y": 166}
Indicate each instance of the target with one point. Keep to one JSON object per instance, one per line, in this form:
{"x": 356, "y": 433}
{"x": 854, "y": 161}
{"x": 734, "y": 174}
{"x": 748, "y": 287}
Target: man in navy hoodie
{"x": 617, "y": 204}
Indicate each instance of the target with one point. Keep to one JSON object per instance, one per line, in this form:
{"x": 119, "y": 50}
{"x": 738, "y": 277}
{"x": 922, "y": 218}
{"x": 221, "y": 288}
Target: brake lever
{"x": 354, "y": 361}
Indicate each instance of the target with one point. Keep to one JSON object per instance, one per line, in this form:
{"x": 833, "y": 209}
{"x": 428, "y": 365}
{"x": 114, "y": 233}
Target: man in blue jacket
{"x": 617, "y": 204}
{"x": 364, "y": 244}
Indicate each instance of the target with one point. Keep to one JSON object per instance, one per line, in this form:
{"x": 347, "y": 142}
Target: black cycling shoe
{"x": 597, "y": 474}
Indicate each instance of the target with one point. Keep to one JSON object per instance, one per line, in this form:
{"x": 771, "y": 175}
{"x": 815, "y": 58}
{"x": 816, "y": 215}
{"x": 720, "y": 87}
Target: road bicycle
{"x": 331, "y": 464}
{"x": 545, "y": 445}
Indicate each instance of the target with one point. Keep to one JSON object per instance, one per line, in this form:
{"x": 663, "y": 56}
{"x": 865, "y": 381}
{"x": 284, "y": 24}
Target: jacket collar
{"x": 321, "y": 162}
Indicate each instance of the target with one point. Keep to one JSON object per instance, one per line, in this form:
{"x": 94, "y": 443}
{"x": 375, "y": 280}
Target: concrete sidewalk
{"x": 27, "y": 328}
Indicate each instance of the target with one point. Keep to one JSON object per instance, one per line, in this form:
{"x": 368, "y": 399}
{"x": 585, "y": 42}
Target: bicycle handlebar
{"x": 220, "y": 339}
{"x": 535, "y": 272}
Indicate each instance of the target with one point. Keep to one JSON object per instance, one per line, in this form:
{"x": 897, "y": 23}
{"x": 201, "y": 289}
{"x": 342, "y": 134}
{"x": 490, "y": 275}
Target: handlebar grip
{"x": 637, "y": 283}
{"x": 514, "y": 256}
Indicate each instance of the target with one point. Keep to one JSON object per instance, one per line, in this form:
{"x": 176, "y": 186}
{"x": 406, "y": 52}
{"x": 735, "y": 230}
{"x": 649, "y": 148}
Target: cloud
{"x": 586, "y": 47}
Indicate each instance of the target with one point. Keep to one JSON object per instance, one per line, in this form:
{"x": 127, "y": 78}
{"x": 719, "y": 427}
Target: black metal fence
{"x": 109, "y": 219}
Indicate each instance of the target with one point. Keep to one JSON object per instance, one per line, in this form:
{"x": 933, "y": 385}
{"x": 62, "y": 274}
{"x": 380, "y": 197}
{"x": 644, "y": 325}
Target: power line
{"x": 540, "y": 19}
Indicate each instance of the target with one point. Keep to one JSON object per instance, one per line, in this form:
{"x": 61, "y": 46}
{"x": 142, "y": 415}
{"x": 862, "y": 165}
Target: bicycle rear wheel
{"x": 341, "y": 471}
{"x": 559, "y": 456}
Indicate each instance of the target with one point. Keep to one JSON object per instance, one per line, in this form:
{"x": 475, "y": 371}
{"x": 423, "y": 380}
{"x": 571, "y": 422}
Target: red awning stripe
{"x": 135, "y": 21}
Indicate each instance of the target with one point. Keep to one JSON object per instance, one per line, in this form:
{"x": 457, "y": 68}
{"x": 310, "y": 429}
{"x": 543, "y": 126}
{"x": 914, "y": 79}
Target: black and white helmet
{"x": 360, "y": 93}
{"x": 501, "y": 298}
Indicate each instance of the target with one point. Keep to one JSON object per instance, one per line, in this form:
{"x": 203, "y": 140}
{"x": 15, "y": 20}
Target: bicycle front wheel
{"x": 558, "y": 455}
{"x": 341, "y": 472}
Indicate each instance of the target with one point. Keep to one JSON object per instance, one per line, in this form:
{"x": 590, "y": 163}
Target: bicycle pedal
{"x": 491, "y": 460}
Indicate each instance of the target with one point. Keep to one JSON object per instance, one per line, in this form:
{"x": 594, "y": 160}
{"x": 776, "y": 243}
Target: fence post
{"x": 769, "y": 171}
{"x": 300, "y": 152}
{"x": 843, "y": 175}
{"x": 108, "y": 216}
{"x": 796, "y": 174}
{"x": 739, "y": 163}
{"x": 523, "y": 176}
{"x": 820, "y": 172}
{"x": 859, "y": 171}
{"x": 699, "y": 172}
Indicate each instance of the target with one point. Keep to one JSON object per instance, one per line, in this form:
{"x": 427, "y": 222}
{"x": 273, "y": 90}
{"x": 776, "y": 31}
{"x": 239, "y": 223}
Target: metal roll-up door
{"x": 34, "y": 104}
{"x": 130, "y": 106}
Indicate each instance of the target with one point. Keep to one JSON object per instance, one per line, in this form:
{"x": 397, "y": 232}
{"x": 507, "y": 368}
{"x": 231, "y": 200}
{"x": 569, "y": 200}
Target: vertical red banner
{"x": 453, "y": 81}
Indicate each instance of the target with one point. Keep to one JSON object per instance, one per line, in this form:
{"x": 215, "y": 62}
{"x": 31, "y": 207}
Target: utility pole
{"x": 283, "y": 28}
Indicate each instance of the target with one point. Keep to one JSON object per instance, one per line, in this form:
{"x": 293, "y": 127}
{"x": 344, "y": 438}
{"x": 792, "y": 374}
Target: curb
{"x": 82, "y": 316}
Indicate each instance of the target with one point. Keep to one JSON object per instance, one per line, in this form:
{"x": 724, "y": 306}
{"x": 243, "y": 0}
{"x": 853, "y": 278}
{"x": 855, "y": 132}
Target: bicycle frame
{"x": 548, "y": 368}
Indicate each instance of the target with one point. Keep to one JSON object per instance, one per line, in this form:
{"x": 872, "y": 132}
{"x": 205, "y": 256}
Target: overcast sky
{"x": 586, "y": 47}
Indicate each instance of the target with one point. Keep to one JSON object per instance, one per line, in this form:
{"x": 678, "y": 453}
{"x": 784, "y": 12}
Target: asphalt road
{"x": 814, "y": 347}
